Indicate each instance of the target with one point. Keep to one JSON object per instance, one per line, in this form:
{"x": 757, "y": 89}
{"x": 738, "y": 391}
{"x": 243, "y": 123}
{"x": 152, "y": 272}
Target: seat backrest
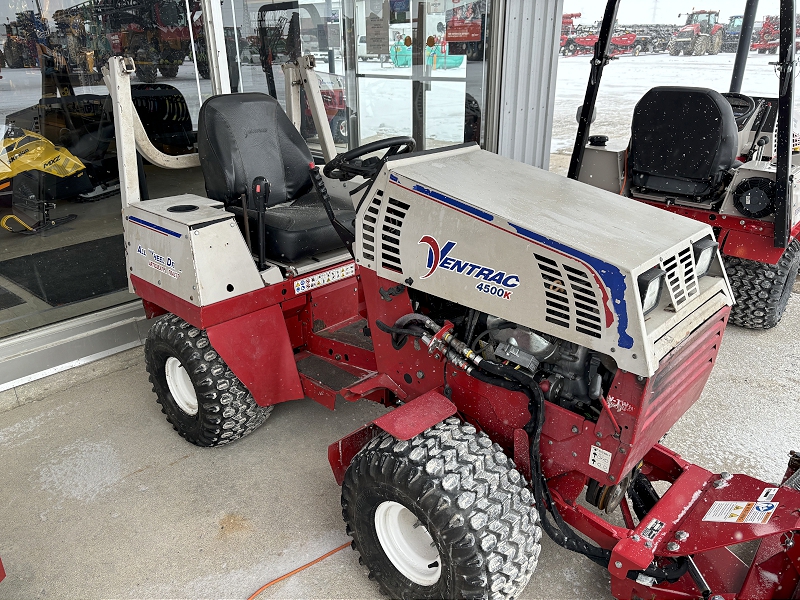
{"x": 244, "y": 136}
{"x": 682, "y": 140}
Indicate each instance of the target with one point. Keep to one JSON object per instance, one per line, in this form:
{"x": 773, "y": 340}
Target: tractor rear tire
{"x": 716, "y": 43}
{"x": 442, "y": 515}
{"x": 761, "y": 290}
{"x": 203, "y": 400}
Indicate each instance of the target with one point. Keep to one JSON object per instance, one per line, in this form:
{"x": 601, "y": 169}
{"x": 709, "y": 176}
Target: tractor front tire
{"x": 202, "y": 399}
{"x": 442, "y": 515}
{"x": 761, "y": 290}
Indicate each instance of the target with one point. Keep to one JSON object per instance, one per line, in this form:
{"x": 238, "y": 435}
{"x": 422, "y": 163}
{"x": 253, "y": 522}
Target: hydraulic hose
{"x": 426, "y": 322}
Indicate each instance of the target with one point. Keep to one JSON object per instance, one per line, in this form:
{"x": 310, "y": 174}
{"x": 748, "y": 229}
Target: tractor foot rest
{"x": 324, "y": 379}
{"x": 351, "y": 333}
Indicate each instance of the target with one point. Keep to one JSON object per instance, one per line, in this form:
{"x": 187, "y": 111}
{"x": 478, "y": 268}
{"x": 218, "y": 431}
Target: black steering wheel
{"x": 743, "y": 107}
{"x": 347, "y": 165}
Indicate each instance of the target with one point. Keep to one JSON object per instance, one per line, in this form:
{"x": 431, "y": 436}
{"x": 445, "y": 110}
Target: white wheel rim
{"x": 180, "y": 386}
{"x": 410, "y": 549}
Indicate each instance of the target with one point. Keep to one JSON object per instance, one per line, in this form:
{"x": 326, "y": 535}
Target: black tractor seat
{"x": 299, "y": 228}
{"x": 683, "y": 142}
{"x": 245, "y": 136}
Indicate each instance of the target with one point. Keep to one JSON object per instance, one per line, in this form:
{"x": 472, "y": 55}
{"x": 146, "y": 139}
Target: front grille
{"x": 681, "y": 277}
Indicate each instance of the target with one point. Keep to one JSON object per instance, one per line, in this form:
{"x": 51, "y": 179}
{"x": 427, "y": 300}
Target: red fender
{"x": 751, "y": 247}
{"x": 256, "y": 347}
{"x": 403, "y": 422}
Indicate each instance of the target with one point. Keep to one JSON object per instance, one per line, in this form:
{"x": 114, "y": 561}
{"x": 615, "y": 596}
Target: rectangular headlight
{"x": 704, "y": 251}
{"x": 650, "y": 284}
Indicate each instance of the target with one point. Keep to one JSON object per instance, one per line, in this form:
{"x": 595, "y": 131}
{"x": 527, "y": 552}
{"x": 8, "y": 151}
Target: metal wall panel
{"x": 527, "y": 89}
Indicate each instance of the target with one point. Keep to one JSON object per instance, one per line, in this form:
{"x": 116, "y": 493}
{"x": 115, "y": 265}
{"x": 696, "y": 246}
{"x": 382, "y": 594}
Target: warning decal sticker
{"x": 741, "y": 512}
{"x": 651, "y": 531}
{"x": 309, "y": 283}
{"x": 600, "y": 459}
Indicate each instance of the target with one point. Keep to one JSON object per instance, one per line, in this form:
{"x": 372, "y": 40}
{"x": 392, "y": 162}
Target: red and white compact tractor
{"x": 531, "y": 356}
{"x": 726, "y": 160}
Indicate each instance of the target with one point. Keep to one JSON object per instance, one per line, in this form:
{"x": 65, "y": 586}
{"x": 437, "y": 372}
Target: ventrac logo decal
{"x": 492, "y": 281}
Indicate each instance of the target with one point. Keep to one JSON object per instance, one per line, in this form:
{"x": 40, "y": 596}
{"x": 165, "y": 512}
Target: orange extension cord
{"x": 297, "y": 570}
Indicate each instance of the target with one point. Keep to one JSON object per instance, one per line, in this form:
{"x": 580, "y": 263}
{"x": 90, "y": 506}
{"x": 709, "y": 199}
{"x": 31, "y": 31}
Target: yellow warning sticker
{"x": 740, "y": 512}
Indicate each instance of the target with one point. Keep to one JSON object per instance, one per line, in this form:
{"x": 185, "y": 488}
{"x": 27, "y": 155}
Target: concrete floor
{"x": 100, "y": 498}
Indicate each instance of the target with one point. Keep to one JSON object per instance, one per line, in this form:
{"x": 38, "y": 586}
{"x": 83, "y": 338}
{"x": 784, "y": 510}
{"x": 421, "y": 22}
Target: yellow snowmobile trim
{"x": 4, "y": 223}
{"x": 30, "y": 152}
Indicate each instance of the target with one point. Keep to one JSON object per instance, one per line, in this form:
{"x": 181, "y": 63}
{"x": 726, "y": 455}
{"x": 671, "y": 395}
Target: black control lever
{"x": 260, "y": 195}
{"x": 347, "y": 236}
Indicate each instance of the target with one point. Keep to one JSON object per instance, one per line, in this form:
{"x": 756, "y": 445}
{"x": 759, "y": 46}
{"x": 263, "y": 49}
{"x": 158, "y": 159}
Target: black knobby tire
{"x": 203, "y": 69}
{"x": 225, "y": 410}
{"x": 146, "y": 73}
{"x": 168, "y": 71}
{"x": 466, "y": 494}
{"x": 674, "y": 49}
{"x": 761, "y": 290}
{"x": 339, "y": 128}
{"x": 698, "y": 46}
{"x": 716, "y": 43}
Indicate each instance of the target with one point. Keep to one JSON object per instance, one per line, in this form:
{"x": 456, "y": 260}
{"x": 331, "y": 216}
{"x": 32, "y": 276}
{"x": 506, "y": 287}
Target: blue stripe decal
{"x": 454, "y": 203}
{"x": 155, "y": 227}
{"x": 611, "y": 276}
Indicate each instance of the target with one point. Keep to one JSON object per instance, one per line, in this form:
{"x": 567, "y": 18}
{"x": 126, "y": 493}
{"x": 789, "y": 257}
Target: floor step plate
{"x": 324, "y": 379}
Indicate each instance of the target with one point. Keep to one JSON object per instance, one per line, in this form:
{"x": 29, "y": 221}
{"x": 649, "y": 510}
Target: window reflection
{"x": 61, "y": 249}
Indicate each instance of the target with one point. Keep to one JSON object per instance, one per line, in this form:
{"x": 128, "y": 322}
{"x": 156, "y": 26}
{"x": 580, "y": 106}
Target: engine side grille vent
{"x": 587, "y": 307}
{"x": 393, "y": 217}
{"x": 681, "y": 277}
{"x": 369, "y": 227}
{"x": 571, "y": 300}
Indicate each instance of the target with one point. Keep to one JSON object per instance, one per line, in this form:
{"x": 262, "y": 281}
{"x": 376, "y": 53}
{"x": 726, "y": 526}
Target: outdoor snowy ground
{"x": 625, "y": 81}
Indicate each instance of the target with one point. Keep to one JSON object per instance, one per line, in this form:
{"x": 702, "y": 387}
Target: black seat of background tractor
{"x": 244, "y": 136}
{"x": 683, "y": 141}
